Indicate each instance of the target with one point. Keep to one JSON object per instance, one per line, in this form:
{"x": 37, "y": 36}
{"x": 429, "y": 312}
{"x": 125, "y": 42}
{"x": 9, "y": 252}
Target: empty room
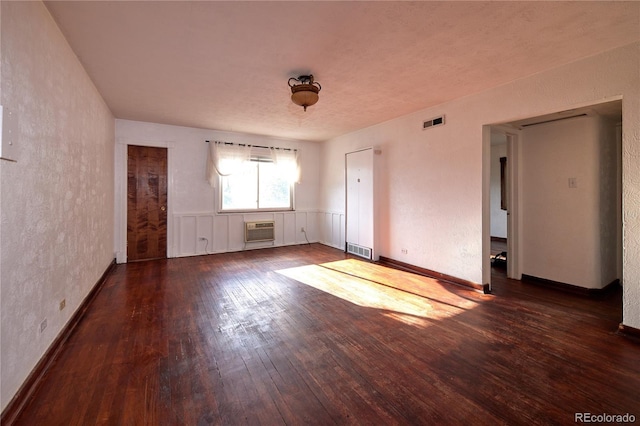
{"x": 318, "y": 212}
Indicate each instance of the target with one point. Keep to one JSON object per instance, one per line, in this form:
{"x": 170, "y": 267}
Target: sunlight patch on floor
{"x": 361, "y": 283}
{"x": 431, "y": 288}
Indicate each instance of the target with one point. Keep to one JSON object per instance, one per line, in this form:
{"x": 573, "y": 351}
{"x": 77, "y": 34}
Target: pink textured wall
{"x": 57, "y": 199}
{"x": 432, "y": 180}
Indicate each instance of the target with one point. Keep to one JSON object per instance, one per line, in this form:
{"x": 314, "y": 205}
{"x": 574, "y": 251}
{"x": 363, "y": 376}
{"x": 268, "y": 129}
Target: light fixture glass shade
{"x": 306, "y": 92}
{"x": 304, "y": 95}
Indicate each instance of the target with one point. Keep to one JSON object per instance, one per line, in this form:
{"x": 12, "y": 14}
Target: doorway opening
{"x": 499, "y": 180}
{"x": 561, "y": 174}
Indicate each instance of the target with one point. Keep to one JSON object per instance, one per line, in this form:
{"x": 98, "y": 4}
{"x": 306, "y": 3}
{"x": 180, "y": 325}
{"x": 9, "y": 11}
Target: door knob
{"x": 163, "y": 208}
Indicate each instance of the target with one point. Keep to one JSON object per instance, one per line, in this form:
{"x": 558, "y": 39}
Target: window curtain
{"x": 287, "y": 161}
{"x": 225, "y": 159}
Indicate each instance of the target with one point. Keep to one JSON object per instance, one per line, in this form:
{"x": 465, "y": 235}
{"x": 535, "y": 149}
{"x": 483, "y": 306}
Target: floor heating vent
{"x": 259, "y": 231}
{"x": 359, "y": 250}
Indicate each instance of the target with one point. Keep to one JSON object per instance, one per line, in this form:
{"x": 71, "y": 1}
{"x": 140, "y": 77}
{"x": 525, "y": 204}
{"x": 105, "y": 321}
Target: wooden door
{"x": 146, "y": 203}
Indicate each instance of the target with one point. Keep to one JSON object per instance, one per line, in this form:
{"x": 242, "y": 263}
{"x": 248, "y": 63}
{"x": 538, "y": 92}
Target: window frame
{"x": 258, "y": 160}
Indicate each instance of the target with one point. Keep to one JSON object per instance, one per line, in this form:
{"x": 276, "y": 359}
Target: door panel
{"x": 146, "y": 203}
{"x": 353, "y": 214}
{"x": 513, "y": 208}
{"x": 359, "y": 170}
{"x": 365, "y": 200}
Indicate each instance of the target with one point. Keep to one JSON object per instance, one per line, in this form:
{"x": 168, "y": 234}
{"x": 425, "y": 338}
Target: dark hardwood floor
{"x": 309, "y": 335}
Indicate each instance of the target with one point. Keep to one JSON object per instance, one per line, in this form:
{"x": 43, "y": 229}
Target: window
{"x": 259, "y": 184}
{"x": 252, "y": 178}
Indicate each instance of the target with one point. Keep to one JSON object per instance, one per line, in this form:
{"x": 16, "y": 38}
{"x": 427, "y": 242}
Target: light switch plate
{"x": 8, "y": 146}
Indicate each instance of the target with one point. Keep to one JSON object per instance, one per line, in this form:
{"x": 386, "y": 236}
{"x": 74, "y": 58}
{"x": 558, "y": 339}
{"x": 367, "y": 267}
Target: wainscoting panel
{"x": 236, "y": 232}
{"x": 278, "y": 218}
{"x": 188, "y": 233}
{"x": 289, "y": 229}
{"x": 332, "y": 230}
{"x": 301, "y": 222}
{"x": 338, "y": 231}
{"x": 220, "y": 235}
{"x": 204, "y": 230}
{"x": 327, "y": 225}
{"x": 225, "y": 233}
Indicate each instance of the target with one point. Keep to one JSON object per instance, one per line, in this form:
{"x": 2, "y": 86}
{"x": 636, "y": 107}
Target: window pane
{"x": 275, "y": 188}
{"x": 239, "y": 190}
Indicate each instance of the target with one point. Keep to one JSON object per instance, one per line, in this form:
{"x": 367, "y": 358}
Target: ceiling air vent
{"x": 433, "y": 122}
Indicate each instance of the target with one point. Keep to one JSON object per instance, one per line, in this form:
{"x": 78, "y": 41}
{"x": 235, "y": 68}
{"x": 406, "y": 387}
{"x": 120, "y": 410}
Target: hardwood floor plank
{"x": 309, "y": 335}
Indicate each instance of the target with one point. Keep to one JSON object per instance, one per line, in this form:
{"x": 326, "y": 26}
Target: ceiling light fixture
{"x": 305, "y": 93}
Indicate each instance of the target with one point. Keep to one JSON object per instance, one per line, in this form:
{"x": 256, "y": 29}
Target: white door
{"x": 360, "y": 207}
{"x": 513, "y": 210}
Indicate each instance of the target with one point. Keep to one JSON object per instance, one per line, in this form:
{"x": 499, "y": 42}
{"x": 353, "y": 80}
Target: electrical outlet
{"x": 404, "y": 251}
{"x": 63, "y": 303}
{"x": 43, "y": 325}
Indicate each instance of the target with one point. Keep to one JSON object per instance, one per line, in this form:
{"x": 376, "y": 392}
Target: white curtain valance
{"x": 287, "y": 161}
{"x": 225, "y": 159}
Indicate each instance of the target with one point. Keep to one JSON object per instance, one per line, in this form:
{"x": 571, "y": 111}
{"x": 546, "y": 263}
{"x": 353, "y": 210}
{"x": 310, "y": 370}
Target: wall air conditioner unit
{"x": 259, "y": 231}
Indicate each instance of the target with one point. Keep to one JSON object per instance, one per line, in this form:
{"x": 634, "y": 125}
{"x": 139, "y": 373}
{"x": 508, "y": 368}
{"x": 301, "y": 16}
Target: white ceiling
{"x": 225, "y": 65}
